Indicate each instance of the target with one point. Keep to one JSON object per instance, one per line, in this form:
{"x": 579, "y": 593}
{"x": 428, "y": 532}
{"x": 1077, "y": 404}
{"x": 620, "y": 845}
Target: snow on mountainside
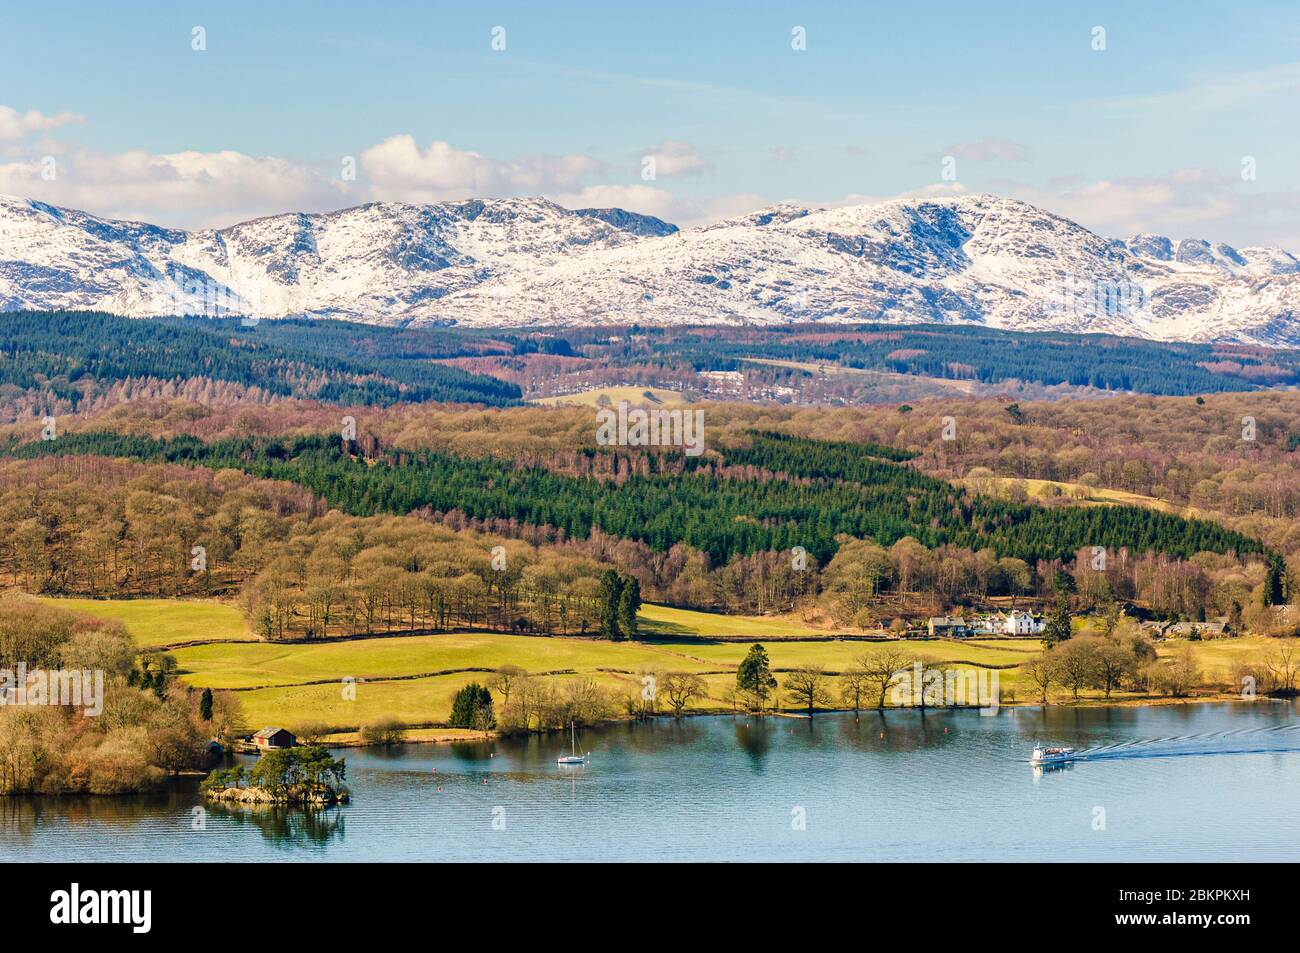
{"x": 511, "y": 262}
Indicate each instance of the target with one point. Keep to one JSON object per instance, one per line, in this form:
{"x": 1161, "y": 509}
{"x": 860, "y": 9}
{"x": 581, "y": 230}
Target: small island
{"x": 306, "y": 776}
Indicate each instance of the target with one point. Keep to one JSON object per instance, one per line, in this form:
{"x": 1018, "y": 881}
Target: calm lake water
{"x": 946, "y": 786}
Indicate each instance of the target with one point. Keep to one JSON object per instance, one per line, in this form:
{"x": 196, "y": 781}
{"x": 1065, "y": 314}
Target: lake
{"x": 1200, "y": 782}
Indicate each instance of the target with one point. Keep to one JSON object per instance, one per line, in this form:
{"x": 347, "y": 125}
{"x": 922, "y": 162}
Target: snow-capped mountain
{"x": 511, "y": 262}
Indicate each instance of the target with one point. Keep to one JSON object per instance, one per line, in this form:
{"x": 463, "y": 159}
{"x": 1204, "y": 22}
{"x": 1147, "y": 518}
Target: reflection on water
{"x": 285, "y": 826}
{"x": 885, "y": 786}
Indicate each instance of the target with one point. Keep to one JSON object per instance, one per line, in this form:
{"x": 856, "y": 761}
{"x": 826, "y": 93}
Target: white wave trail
{"x": 1273, "y": 738}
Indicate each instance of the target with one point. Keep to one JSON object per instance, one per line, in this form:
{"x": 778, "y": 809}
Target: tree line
{"x": 69, "y": 355}
{"x": 715, "y": 507}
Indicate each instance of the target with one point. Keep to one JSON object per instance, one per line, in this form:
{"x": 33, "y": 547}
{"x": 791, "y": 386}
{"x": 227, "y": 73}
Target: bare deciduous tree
{"x": 1076, "y": 663}
{"x": 810, "y": 687}
{"x": 1041, "y": 670}
{"x": 880, "y": 669}
{"x": 1283, "y": 666}
{"x": 679, "y": 688}
{"x": 506, "y": 680}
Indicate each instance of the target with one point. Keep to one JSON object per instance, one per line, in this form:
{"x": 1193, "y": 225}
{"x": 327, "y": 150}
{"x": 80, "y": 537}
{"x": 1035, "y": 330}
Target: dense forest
{"x": 61, "y": 362}
{"x": 98, "y": 526}
{"x": 987, "y": 355}
{"x": 60, "y": 359}
{"x": 740, "y": 504}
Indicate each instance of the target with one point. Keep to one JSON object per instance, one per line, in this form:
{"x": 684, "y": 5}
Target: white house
{"x": 1014, "y": 622}
{"x": 1022, "y": 623}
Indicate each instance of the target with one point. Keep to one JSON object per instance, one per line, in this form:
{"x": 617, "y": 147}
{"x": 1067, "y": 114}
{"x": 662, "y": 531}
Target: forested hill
{"x": 985, "y": 355}
{"x": 775, "y": 494}
{"x": 69, "y": 355}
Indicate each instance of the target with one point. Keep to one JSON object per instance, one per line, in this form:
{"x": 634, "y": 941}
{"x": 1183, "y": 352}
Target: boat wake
{"x": 1274, "y": 738}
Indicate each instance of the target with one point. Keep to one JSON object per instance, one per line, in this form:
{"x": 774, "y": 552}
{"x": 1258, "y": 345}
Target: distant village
{"x": 1016, "y": 623}
{"x": 1023, "y": 624}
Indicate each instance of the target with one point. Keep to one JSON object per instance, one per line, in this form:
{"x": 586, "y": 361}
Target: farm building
{"x": 949, "y": 626}
{"x": 269, "y": 738}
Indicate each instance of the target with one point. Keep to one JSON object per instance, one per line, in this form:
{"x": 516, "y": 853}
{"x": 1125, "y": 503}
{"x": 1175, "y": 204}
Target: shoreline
{"x": 443, "y": 736}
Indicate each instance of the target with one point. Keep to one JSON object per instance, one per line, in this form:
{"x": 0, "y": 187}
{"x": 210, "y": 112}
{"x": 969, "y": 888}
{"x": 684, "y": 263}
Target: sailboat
{"x": 573, "y": 757}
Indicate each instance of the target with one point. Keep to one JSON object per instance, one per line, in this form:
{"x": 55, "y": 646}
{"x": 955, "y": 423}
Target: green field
{"x": 636, "y": 396}
{"x": 656, "y": 620}
{"x": 273, "y": 664}
{"x": 413, "y": 701}
{"x": 397, "y": 676}
{"x": 156, "y": 622}
{"x": 382, "y": 668}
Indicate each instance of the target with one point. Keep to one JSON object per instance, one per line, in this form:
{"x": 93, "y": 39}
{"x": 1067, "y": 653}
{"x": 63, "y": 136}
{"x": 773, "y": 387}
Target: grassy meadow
{"x": 413, "y": 678}
{"x": 668, "y": 621}
{"x": 636, "y": 396}
{"x": 153, "y": 623}
{"x": 1085, "y": 495}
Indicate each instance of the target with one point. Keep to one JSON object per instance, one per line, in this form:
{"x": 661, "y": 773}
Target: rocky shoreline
{"x": 257, "y": 795}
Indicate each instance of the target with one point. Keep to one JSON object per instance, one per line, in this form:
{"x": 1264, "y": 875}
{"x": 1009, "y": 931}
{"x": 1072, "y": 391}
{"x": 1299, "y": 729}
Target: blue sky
{"x": 1150, "y": 133}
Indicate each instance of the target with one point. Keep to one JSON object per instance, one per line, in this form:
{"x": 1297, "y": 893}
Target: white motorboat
{"x": 1043, "y": 755}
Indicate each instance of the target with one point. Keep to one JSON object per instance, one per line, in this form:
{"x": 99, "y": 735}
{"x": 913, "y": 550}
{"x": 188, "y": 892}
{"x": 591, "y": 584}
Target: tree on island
{"x": 754, "y": 676}
{"x": 472, "y": 708}
{"x": 290, "y": 774}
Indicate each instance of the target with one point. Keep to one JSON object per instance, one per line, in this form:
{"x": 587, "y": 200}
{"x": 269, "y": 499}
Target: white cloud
{"x": 195, "y": 189}
{"x": 1223, "y": 93}
{"x": 662, "y": 204}
{"x": 181, "y": 189}
{"x": 989, "y": 149}
{"x": 16, "y": 125}
{"x": 674, "y": 157}
{"x": 398, "y": 170}
{"x": 1186, "y": 203}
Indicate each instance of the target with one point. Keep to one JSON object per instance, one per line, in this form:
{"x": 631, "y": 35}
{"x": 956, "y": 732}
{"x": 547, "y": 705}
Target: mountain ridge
{"x": 971, "y": 259}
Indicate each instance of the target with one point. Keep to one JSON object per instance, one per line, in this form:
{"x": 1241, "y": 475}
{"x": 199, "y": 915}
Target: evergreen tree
{"x": 1057, "y": 627}
{"x": 611, "y": 589}
{"x": 1063, "y": 582}
{"x": 472, "y": 708}
{"x": 1275, "y": 582}
{"x": 629, "y": 604}
{"x": 754, "y": 676}
{"x": 205, "y": 705}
